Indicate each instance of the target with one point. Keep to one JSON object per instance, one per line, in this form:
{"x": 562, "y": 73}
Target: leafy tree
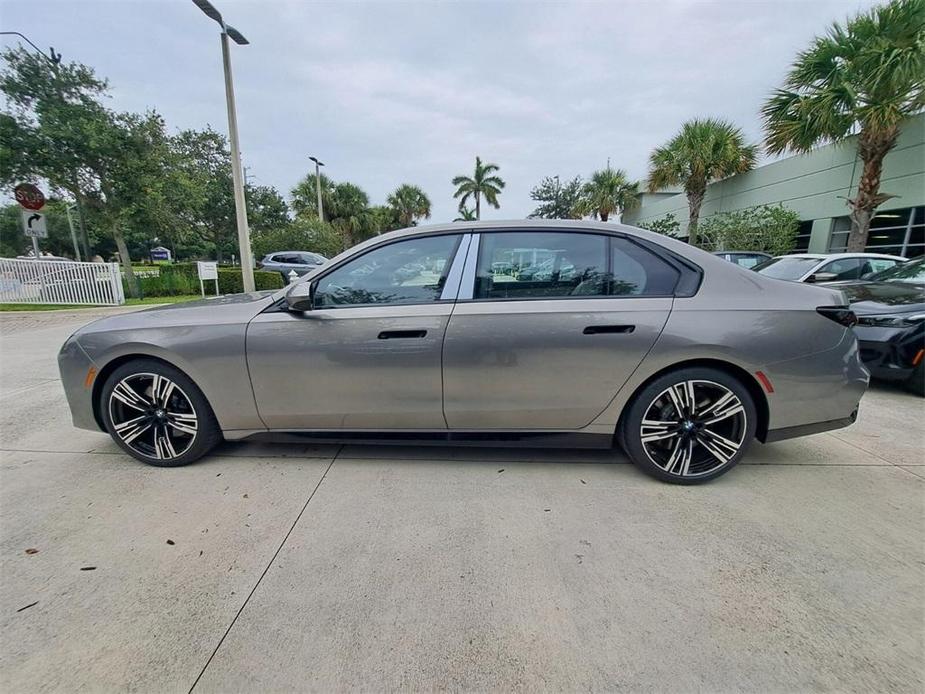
{"x": 465, "y": 215}
{"x": 304, "y": 234}
{"x": 305, "y": 197}
{"x": 557, "y": 200}
{"x": 608, "y": 192}
{"x": 482, "y": 183}
{"x": 704, "y": 151}
{"x": 52, "y": 125}
{"x": 866, "y": 77}
{"x": 767, "y": 228}
{"x": 667, "y": 225}
{"x": 410, "y": 204}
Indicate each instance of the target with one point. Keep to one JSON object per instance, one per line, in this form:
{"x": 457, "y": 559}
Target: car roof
{"x": 836, "y": 256}
{"x": 742, "y": 253}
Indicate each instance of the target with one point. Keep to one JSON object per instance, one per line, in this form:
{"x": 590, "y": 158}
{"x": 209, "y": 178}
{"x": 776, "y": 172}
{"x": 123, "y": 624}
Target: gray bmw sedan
{"x": 537, "y": 333}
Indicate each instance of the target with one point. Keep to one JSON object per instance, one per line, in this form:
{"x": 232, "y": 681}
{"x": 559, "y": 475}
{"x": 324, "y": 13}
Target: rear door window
{"x": 548, "y": 265}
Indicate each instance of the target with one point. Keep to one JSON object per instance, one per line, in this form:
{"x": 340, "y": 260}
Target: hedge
{"x": 182, "y": 278}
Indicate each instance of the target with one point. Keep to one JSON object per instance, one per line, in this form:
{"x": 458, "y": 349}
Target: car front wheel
{"x": 689, "y": 426}
{"x": 156, "y": 413}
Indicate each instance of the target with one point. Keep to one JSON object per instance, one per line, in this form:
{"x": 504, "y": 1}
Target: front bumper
{"x": 76, "y": 377}
{"x": 891, "y": 354}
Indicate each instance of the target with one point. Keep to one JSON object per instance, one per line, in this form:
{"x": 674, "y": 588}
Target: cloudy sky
{"x": 393, "y": 92}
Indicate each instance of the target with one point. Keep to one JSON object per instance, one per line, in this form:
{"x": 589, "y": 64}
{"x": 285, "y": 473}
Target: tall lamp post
{"x": 237, "y": 174}
{"x": 318, "y": 165}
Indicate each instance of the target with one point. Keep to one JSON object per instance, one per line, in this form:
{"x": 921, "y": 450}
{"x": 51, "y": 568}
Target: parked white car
{"x": 827, "y": 267}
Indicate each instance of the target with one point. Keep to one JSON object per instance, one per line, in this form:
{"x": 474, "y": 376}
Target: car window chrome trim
{"x": 467, "y": 285}
{"x": 454, "y": 276}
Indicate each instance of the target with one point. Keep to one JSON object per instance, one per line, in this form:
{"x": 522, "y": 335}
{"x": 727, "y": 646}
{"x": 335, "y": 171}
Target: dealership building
{"x": 816, "y": 186}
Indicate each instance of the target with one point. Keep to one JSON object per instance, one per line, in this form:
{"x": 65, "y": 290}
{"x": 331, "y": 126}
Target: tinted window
{"x": 747, "y": 261}
{"x": 872, "y": 265}
{"x": 909, "y": 272}
{"x": 844, "y": 268}
{"x": 529, "y": 265}
{"x": 405, "y": 272}
{"x": 636, "y": 271}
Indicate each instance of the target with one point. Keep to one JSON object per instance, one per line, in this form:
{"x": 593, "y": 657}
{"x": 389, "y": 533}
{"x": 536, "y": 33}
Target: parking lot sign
{"x": 207, "y": 271}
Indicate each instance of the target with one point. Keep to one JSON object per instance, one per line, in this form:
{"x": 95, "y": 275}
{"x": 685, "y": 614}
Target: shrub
{"x": 667, "y": 225}
{"x": 230, "y": 281}
{"x": 767, "y": 228}
{"x": 181, "y": 281}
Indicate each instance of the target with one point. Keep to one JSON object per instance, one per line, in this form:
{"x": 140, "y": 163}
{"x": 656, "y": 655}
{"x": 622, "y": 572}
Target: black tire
{"x": 185, "y": 397}
{"x": 916, "y": 382}
{"x": 692, "y": 462}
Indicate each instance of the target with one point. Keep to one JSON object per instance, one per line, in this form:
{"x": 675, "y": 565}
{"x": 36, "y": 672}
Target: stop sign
{"x": 29, "y": 196}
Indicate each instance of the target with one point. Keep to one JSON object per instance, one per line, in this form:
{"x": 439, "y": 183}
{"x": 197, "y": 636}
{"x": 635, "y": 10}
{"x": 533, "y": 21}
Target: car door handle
{"x": 601, "y": 329}
{"x": 401, "y": 334}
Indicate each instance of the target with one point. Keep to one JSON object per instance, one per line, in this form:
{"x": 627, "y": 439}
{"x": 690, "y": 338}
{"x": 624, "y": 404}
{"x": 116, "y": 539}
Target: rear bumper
{"x": 808, "y": 429}
{"x": 816, "y": 392}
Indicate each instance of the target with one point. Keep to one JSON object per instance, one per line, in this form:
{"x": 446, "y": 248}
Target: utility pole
{"x": 318, "y": 165}
{"x": 557, "y": 195}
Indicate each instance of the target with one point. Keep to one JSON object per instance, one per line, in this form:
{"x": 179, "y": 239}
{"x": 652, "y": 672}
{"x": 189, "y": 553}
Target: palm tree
{"x": 482, "y": 183}
{"x": 305, "y": 196}
{"x": 349, "y": 213}
{"x": 865, "y": 77}
{"x": 410, "y": 204}
{"x": 465, "y": 215}
{"x": 608, "y": 192}
{"x": 705, "y": 150}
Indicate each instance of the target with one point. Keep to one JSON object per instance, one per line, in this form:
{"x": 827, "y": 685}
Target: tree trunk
{"x": 84, "y": 241}
{"x": 604, "y": 216}
{"x": 694, "y": 202}
{"x": 872, "y": 148}
{"x": 478, "y": 207}
{"x": 126, "y": 260}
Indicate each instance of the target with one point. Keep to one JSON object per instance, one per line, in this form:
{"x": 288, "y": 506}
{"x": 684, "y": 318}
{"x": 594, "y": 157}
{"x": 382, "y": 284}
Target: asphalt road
{"x": 275, "y": 568}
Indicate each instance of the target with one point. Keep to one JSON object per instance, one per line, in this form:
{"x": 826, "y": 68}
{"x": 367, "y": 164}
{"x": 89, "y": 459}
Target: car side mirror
{"x": 822, "y": 277}
{"x": 301, "y": 297}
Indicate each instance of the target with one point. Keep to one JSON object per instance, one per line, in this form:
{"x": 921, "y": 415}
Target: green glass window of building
{"x": 896, "y": 232}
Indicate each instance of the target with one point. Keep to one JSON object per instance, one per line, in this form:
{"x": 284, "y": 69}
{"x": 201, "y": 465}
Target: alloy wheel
{"x": 693, "y": 427}
{"x": 153, "y": 416}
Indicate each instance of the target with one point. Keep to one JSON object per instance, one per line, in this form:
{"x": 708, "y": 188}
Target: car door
{"x": 368, "y": 355}
{"x": 548, "y": 326}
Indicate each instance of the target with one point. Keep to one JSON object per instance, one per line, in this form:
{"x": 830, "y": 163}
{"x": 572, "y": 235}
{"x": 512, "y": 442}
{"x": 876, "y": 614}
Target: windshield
{"x": 907, "y": 272}
{"x": 789, "y": 267}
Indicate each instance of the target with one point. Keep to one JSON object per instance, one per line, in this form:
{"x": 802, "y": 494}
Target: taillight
{"x": 840, "y": 314}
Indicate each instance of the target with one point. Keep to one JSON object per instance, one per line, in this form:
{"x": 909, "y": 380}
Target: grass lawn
{"x": 147, "y": 301}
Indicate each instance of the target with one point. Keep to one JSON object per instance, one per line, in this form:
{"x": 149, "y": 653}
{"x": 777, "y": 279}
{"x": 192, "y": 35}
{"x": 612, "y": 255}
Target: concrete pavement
{"x": 291, "y": 567}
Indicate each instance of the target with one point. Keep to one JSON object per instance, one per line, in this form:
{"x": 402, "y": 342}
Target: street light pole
{"x": 237, "y": 174}
{"x": 318, "y": 165}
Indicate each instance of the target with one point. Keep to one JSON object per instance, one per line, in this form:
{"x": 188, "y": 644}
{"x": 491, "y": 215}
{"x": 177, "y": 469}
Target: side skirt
{"x": 514, "y": 439}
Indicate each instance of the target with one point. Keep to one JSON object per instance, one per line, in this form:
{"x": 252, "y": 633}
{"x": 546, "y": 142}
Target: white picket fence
{"x": 60, "y": 282}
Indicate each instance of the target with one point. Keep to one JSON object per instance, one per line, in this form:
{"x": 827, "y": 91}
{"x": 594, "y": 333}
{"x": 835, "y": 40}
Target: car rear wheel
{"x": 155, "y": 413}
{"x": 689, "y": 426}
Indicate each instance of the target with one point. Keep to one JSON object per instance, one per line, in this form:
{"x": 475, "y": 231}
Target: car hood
{"x": 883, "y": 297}
{"x": 217, "y": 310}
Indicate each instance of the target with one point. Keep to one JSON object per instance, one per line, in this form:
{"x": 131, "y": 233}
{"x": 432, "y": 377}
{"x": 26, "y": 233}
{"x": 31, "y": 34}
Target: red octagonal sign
{"x": 29, "y": 196}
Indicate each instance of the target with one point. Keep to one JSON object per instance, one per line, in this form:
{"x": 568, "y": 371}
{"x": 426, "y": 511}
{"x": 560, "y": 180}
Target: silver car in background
{"x": 827, "y": 267}
{"x": 534, "y": 333}
{"x": 284, "y": 262}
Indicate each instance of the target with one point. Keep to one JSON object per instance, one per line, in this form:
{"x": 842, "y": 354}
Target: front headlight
{"x": 892, "y": 320}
